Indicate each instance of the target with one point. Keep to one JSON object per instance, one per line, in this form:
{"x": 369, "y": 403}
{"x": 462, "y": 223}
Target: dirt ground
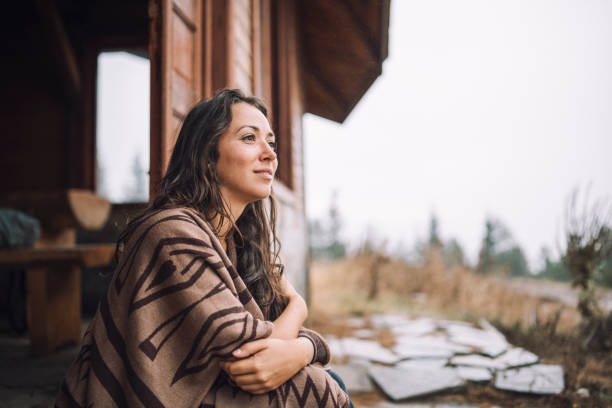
{"x": 538, "y": 323}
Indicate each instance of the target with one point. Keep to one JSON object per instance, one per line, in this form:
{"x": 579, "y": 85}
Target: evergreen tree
{"x": 137, "y": 189}
{"x": 499, "y": 253}
{"x": 434, "y": 237}
{"x": 336, "y": 248}
{"x": 486, "y": 257}
{"x": 553, "y": 269}
{"x": 513, "y": 261}
{"x": 325, "y": 240}
{"x": 452, "y": 254}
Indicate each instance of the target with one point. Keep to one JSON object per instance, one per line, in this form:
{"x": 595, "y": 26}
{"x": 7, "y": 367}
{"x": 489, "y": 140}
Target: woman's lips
{"x": 267, "y": 174}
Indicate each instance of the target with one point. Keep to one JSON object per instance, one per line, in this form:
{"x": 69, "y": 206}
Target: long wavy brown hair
{"x": 191, "y": 181}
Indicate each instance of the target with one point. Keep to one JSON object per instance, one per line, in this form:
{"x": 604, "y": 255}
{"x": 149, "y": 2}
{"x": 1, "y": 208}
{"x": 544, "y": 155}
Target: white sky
{"x": 122, "y": 121}
{"x": 484, "y": 108}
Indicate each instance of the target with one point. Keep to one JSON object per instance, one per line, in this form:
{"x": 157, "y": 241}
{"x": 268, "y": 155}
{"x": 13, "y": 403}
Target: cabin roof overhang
{"x": 343, "y": 45}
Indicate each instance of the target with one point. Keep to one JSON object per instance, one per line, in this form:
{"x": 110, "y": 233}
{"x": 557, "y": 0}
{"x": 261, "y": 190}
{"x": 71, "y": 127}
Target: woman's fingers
{"x": 250, "y": 348}
{"x": 248, "y": 380}
{"x": 253, "y": 383}
{"x": 240, "y": 367}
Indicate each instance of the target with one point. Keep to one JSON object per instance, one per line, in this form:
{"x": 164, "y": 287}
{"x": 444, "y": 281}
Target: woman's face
{"x": 247, "y": 161}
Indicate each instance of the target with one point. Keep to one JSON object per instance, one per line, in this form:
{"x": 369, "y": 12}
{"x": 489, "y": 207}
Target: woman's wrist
{"x": 307, "y": 349}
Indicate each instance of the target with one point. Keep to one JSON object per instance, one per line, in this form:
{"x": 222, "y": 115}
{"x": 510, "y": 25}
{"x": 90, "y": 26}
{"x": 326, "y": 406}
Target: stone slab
{"x": 432, "y": 405}
{"x": 403, "y": 383}
{"x": 360, "y": 362}
{"x": 516, "y": 357}
{"x": 498, "y": 340}
{"x": 335, "y": 347}
{"x": 355, "y": 321}
{"x": 404, "y": 351}
{"x": 355, "y": 378}
{"x": 425, "y": 363}
{"x": 416, "y": 327}
{"x": 444, "y": 324}
{"x": 476, "y": 360}
{"x": 369, "y": 349}
{"x": 427, "y": 347}
{"x": 404, "y": 405}
{"x": 364, "y": 333}
{"x": 535, "y": 379}
{"x": 381, "y": 321}
{"x": 489, "y": 342}
{"x": 475, "y": 374}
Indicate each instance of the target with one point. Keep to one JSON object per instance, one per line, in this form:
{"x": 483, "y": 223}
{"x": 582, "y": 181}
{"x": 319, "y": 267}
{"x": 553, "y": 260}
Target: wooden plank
{"x": 256, "y": 48}
{"x": 85, "y": 137}
{"x": 182, "y": 48}
{"x": 183, "y": 97}
{"x": 266, "y": 46}
{"x": 285, "y": 42}
{"x": 81, "y": 255}
{"x": 155, "y": 126}
{"x": 60, "y": 209}
{"x": 187, "y": 7}
{"x": 217, "y": 63}
{"x": 176, "y": 75}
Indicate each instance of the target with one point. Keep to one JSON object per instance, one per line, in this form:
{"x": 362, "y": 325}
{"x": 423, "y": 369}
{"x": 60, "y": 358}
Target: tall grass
{"x": 343, "y": 287}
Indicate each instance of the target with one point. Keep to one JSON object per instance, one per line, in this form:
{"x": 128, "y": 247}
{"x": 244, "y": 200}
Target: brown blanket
{"x": 176, "y": 307}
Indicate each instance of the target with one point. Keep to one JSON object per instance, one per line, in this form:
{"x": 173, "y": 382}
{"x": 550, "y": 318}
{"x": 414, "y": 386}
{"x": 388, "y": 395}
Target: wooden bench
{"x": 53, "y": 288}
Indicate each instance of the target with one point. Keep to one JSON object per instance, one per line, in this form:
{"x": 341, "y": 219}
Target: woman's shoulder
{"x": 171, "y": 222}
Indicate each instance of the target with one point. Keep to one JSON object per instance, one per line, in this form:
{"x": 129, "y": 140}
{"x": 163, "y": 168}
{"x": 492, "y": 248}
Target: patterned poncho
{"x": 175, "y": 308}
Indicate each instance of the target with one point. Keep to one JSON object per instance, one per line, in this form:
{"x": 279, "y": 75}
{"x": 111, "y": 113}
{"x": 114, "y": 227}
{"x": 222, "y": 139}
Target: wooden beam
{"x": 86, "y": 256}
{"x": 371, "y": 43}
{"x": 58, "y": 210}
{"x": 60, "y": 46}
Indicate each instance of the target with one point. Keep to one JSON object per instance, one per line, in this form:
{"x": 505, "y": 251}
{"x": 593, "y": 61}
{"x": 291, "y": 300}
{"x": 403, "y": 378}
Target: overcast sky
{"x": 485, "y": 108}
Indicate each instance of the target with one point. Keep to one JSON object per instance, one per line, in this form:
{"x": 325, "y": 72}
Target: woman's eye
{"x": 272, "y": 145}
{"x": 249, "y": 137}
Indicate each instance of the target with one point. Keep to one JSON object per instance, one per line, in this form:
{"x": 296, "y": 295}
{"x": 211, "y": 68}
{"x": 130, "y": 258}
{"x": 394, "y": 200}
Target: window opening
{"x": 122, "y": 127}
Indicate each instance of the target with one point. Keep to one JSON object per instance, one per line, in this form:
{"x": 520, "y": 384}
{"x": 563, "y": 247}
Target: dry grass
{"x": 543, "y": 325}
{"x": 341, "y": 288}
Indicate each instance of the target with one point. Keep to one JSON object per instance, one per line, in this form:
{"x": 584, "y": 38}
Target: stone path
{"x": 433, "y": 356}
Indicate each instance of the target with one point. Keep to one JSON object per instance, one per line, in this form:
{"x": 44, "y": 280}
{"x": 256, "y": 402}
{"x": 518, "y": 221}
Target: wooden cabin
{"x": 316, "y": 56}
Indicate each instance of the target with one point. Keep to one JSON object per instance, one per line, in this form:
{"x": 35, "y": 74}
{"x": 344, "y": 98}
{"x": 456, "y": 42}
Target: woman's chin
{"x": 261, "y": 195}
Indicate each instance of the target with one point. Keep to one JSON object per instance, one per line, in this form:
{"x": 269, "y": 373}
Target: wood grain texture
{"x": 81, "y": 255}
{"x": 54, "y": 307}
{"x": 61, "y": 209}
{"x": 176, "y": 76}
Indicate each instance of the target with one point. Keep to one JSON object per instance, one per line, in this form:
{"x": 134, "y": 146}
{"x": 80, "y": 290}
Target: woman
{"x": 198, "y": 312}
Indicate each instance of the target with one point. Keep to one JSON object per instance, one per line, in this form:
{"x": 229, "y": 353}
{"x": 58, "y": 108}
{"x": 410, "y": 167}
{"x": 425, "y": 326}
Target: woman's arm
{"x": 287, "y": 325}
{"x": 267, "y": 363}
{"x": 270, "y": 363}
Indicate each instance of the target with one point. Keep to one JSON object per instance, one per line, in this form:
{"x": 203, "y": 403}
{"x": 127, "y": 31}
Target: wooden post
{"x": 54, "y": 307}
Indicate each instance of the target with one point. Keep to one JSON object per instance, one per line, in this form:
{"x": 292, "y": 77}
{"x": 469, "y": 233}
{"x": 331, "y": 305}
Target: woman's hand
{"x": 268, "y": 363}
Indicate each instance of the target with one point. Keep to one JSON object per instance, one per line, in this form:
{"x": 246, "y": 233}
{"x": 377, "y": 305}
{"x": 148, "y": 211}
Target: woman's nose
{"x": 268, "y": 151}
